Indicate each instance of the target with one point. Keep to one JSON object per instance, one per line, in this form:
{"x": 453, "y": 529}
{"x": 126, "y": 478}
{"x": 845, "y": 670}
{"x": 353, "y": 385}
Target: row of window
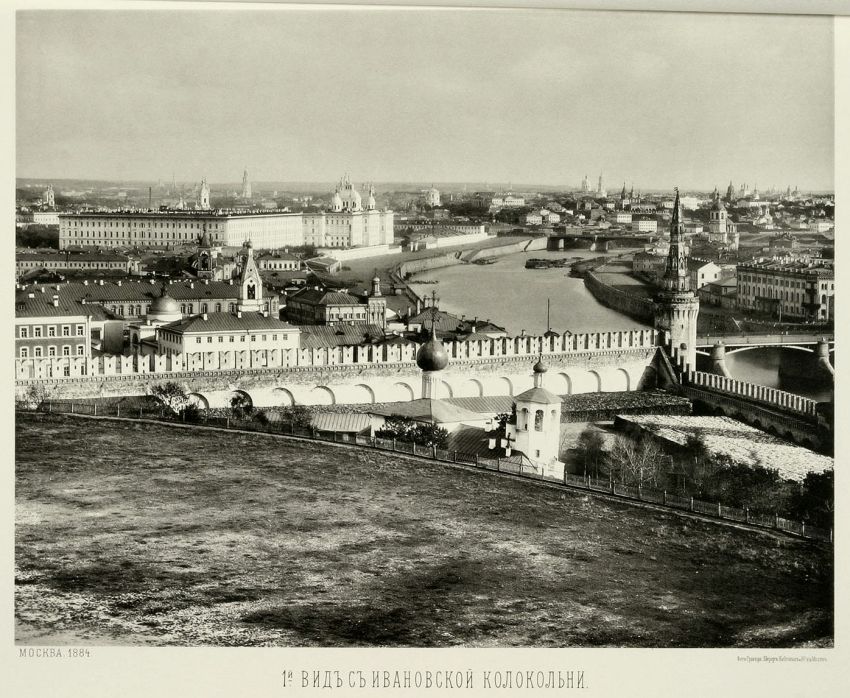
{"x": 232, "y": 338}
{"x": 148, "y": 224}
{"x": 38, "y": 352}
{"x": 24, "y": 332}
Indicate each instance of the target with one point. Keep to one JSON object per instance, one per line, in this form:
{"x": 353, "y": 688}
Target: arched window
{"x": 252, "y": 291}
{"x": 218, "y": 307}
{"x": 538, "y": 420}
{"x": 524, "y": 421}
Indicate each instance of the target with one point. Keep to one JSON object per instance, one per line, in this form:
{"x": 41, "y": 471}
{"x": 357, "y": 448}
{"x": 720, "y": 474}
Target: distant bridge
{"x": 742, "y": 342}
{"x": 720, "y": 346}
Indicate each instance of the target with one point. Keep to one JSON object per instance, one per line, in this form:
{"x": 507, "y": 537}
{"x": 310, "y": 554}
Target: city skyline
{"x": 489, "y": 96}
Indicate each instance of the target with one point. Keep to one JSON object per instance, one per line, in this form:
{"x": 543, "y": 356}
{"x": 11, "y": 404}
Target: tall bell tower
{"x": 676, "y": 306}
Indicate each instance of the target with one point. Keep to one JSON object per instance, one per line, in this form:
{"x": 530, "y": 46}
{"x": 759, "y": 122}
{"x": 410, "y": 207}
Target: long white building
{"x": 347, "y": 224}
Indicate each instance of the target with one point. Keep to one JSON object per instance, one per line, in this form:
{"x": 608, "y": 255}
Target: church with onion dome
{"x": 349, "y": 222}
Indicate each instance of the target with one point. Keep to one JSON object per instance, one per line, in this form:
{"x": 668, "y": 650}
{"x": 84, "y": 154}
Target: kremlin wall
{"x": 579, "y": 363}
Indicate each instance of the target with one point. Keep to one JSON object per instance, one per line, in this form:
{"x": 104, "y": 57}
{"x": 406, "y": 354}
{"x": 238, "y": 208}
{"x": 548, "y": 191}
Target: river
{"x": 514, "y": 297}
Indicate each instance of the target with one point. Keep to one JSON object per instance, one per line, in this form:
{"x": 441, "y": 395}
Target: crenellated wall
{"x": 635, "y": 306}
{"x": 596, "y": 362}
{"x": 779, "y": 399}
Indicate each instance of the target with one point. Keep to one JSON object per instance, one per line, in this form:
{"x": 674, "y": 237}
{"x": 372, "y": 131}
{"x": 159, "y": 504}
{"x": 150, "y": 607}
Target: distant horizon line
{"x": 511, "y": 186}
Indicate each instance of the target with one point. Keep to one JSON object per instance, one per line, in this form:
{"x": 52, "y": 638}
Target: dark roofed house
{"x": 316, "y": 306}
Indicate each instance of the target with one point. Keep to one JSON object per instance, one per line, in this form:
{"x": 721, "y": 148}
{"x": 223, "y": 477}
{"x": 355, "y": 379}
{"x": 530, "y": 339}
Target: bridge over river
{"x": 717, "y": 347}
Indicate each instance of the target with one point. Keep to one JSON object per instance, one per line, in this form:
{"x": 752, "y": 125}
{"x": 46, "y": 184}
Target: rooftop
{"x": 228, "y": 322}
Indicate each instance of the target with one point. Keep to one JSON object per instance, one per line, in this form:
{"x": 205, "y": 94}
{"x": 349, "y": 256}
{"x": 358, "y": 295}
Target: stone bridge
{"x": 777, "y": 412}
{"x": 820, "y": 345}
{"x": 600, "y": 370}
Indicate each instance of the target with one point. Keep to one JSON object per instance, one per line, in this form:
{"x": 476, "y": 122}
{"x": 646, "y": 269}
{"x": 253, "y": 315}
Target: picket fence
{"x": 661, "y": 498}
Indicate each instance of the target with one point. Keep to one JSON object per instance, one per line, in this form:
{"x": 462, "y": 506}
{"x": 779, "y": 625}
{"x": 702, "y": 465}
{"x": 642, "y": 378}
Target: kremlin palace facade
{"x": 348, "y": 223}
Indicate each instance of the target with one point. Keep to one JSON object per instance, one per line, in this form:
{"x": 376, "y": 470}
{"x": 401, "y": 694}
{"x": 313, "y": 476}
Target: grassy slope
{"x": 131, "y": 533}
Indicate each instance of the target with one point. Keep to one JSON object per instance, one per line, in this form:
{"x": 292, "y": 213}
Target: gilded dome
{"x": 164, "y": 305}
{"x": 432, "y": 355}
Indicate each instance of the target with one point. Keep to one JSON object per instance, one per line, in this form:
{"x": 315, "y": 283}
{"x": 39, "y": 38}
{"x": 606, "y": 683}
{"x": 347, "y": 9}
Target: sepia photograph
{"x": 406, "y": 327}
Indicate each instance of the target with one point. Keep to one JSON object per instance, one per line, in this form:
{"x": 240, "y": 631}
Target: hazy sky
{"x": 521, "y": 96}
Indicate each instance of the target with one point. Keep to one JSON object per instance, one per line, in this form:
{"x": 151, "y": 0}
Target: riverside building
{"x": 348, "y": 223}
{"x": 788, "y": 289}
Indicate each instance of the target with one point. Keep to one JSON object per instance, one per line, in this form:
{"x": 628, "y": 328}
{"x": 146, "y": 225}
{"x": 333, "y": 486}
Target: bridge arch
{"x": 598, "y": 378}
{"x": 472, "y": 387}
{"x": 737, "y": 350}
{"x": 563, "y": 384}
{"x": 241, "y": 395}
{"x": 362, "y": 388}
{"x": 624, "y": 378}
{"x": 322, "y": 395}
{"x": 282, "y": 397}
{"x": 402, "y": 392}
{"x": 199, "y": 400}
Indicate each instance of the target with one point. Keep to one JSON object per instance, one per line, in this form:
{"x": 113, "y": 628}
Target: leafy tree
{"x": 298, "y": 416}
{"x": 590, "y": 453}
{"x": 397, "y": 426}
{"x": 34, "y": 397}
{"x": 240, "y": 406}
{"x": 814, "y": 502}
{"x": 172, "y": 397}
{"x": 407, "y": 429}
{"x": 430, "y": 435}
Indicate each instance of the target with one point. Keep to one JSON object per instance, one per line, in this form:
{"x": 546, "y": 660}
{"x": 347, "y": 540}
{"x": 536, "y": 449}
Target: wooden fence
{"x": 661, "y": 498}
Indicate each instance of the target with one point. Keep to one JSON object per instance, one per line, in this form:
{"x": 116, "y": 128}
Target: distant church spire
{"x": 676, "y": 270}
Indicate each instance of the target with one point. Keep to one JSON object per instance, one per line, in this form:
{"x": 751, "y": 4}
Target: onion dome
{"x": 540, "y": 367}
{"x": 432, "y": 355}
{"x": 164, "y": 307}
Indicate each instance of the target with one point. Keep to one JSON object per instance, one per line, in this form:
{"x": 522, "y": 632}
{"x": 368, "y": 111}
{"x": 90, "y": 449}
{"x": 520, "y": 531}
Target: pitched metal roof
{"x": 429, "y": 410}
{"x": 41, "y": 305}
{"x": 142, "y": 290}
{"x": 312, "y": 296}
{"x": 316, "y": 336}
{"x": 341, "y": 421}
{"x": 228, "y": 322}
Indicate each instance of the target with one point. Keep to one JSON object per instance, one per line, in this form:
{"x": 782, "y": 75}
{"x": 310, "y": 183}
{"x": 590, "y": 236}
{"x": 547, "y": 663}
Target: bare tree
{"x": 638, "y": 463}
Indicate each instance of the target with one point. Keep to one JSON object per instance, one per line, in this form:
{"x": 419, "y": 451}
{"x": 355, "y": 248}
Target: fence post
{"x": 746, "y": 515}
{"x": 434, "y": 451}
{"x": 95, "y": 409}
{"x": 394, "y": 443}
{"x": 454, "y": 456}
{"x": 499, "y": 464}
{"x": 665, "y": 497}
{"x": 803, "y": 528}
{"x": 718, "y": 510}
{"x": 776, "y": 520}
{"x": 72, "y": 407}
{"x": 227, "y": 422}
{"x": 692, "y": 503}
{"x": 118, "y": 410}
{"x": 140, "y": 414}
{"x": 640, "y": 496}
{"x": 476, "y": 460}
{"x": 830, "y": 534}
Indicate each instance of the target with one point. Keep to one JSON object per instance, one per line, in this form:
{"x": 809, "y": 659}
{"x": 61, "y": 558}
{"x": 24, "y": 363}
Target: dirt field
{"x": 146, "y": 534}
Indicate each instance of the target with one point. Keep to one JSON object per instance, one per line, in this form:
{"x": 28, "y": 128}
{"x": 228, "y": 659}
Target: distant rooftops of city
{"x": 820, "y": 268}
